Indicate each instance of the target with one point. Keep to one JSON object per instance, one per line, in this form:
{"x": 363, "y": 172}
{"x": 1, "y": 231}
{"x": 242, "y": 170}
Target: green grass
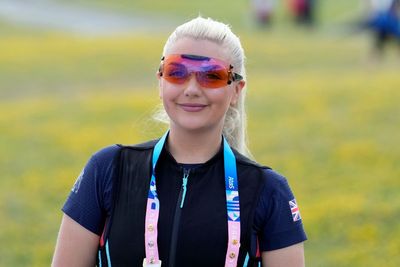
{"x": 320, "y": 111}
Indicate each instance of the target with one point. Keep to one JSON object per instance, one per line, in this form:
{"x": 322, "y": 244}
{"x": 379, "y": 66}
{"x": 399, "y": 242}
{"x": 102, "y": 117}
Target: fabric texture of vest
{"x": 202, "y": 225}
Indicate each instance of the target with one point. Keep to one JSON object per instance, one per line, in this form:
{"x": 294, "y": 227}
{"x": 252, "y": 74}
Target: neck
{"x": 193, "y": 147}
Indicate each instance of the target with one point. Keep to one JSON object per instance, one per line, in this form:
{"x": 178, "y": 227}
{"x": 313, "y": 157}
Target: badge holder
{"x": 145, "y": 264}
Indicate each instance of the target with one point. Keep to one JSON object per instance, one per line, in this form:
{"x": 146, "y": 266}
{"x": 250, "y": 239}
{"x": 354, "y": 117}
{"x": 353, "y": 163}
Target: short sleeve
{"x": 89, "y": 202}
{"x": 277, "y": 217}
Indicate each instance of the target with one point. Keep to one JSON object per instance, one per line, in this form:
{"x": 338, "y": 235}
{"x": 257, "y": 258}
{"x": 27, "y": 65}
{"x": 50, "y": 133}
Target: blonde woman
{"x": 192, "y": 197}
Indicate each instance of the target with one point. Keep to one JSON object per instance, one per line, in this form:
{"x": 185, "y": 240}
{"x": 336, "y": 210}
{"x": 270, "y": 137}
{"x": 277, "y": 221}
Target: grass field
{"x": 321, "y": 112}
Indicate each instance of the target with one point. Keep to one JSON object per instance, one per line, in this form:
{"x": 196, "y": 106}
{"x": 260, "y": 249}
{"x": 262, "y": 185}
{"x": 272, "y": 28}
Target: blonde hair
{"x": 234, "y": 128}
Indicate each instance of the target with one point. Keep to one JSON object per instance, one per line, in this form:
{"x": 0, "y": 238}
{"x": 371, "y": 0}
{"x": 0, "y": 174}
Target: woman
{"x": 190, "y": 198}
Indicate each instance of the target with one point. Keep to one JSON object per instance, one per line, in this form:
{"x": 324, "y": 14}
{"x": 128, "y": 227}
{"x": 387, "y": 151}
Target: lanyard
{"x": 232, "y": 207}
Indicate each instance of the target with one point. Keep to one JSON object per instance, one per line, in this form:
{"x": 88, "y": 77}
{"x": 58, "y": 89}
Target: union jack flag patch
{"x": 295, "y": 210}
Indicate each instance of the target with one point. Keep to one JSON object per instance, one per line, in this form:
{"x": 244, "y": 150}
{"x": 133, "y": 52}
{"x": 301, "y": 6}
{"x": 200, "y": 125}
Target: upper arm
{"x": 280, "y": 229}
{"x": 76, "y": 246}
{"x": 277, "y": 221}
{"x": 292, "y": 256}
{"x": 85, "y": 211}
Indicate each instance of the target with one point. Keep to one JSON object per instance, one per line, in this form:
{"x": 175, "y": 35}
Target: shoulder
{"x": 89, "y": 201}
{"x": 271, "y": 180}
{"x": 277, "y": 217}
{"x": 108, "y": 153}
{"x": 274, "y": 180}
{"x": 267, "y": 179}
{"x": 244, "y": 161}
{"x": 148, "y": 145}
{"x": 267, "y": 174}
{"x": 104, "y": 158}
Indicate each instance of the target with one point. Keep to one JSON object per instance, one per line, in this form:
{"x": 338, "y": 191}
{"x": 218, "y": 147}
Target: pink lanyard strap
{"x": 232, "y": 205}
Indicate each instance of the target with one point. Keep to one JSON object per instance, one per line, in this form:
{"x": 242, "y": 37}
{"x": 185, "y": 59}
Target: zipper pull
{"x": 184, "y": 183}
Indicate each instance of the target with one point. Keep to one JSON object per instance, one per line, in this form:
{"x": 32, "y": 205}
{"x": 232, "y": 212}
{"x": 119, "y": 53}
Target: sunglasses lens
{"x": 210, "y": 73}
{"x": 175, "y": 72}
{"x": 215, "y": 78}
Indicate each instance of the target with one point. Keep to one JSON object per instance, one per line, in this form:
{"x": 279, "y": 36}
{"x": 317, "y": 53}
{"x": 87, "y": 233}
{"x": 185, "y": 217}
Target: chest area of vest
{"x": 192, "y": 220}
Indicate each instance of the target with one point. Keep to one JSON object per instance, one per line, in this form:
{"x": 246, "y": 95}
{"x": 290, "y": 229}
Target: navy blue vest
{"x": 195, "y": 235}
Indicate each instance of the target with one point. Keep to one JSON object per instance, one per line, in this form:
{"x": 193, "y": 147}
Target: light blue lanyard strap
{"x": 231, "y": 184}
{"x": 156, "y": 154}
{"x": 230, "y": 168}
{"x": 108, "y": 255}
{"x": 232, "y": 195}
{"x": 246, "y": 261}
{"x": 157, "y": 150}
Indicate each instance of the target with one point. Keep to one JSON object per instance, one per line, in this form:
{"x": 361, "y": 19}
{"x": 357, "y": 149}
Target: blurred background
{"x": 323, "y": 93}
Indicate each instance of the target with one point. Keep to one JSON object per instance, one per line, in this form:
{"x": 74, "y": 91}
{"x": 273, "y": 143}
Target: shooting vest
{"x": 202, "y": 232}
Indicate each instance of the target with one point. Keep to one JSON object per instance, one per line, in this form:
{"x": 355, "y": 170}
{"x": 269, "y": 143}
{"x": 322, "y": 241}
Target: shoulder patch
{"x": 78, "y": 181}
{"x": 295, "y": 210}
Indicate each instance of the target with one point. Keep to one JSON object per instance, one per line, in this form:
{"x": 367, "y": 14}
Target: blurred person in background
{"x": 303, "y": 11}
{"x": 383, "y": 21}
{"x": 263, "y": 11}
{"x": 192, "y": 197}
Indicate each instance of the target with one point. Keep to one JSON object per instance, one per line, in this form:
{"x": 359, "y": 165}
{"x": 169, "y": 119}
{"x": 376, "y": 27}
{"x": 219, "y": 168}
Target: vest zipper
{"x": 177, "y": 217}
{"x": 184, "y": 183}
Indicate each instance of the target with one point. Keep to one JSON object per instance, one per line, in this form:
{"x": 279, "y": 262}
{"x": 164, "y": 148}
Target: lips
{"x": 192, "y": 107}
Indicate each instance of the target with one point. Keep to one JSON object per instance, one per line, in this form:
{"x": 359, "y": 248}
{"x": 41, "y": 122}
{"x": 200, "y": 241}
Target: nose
{"x": 192, "y": 87}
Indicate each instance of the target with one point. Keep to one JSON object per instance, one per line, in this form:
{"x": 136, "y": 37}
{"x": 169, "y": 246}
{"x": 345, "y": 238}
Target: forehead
{"x": 199, "y": 47}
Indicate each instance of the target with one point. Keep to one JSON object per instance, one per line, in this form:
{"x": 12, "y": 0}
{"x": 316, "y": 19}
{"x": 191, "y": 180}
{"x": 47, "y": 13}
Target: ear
{"x": 158, "y": 76}
{"x": 237, "y": 90}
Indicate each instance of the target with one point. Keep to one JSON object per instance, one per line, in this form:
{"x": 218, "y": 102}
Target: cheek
{"x": 166, "y": 90}
{"x": 222, "y": 97}
{"x": 169, "y": 93}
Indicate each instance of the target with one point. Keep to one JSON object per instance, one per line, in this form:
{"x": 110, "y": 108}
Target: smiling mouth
{"x": 190, "y": 107}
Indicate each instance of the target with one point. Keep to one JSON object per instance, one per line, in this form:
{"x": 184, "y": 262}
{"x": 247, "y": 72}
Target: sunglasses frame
{"x": 232, "y": 76}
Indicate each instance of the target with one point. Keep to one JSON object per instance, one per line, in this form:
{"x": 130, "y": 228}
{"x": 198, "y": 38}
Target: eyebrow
{"x": 176, "y": 64}
{"x": 211, "y": 67}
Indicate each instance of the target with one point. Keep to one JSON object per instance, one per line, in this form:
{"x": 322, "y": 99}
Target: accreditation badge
{"x": 145, "y": 264}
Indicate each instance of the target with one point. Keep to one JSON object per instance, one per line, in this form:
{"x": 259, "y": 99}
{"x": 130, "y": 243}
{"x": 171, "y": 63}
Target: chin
{"x": 194, "y": 128}
{"x": 198, "y": 127}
